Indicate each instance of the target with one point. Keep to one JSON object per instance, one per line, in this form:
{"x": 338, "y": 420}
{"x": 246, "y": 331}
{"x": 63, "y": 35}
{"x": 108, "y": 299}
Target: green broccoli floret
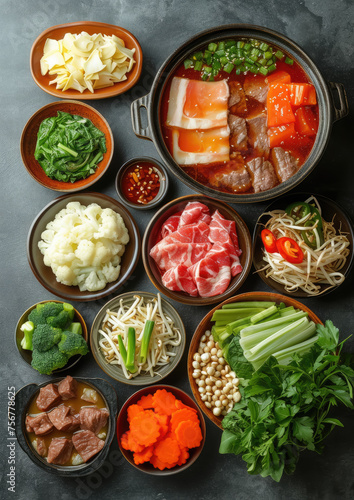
{"x": 72, "y": 343}
{"x": 61, "y": 320}
{"x": 45, "y": 337}
{"x": 46, "y": 362}
{"x": 41, "y": 312}
{"x": 27, "y": 328}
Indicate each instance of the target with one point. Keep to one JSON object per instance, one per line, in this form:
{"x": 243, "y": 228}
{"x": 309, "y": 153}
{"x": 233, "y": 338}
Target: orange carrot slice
{"x": 146, "y": 402}
{"x": 129, "y": 443}
{"x": 167, "y": 450}
{"x": 164, "y": 402}
{"x": 188, "y": 434}
{"x": 181, "y": 415}
{"x": 183, "y": 456}
{"x": 143, "y": 456}
{"x": 180, "y": 406}
{"x": 133, "y": 411}
{"x": 164, "y": 422}
{"x": 156, "y": 462}
{"x": 145, "y": 428}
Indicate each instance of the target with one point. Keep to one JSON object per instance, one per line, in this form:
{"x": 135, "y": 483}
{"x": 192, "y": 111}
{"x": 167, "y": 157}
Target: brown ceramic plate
{"x": 206, "y": 324}
{"x": 27, "y": 355}
{"x": 123, "y": 426}
{"x": 152, "y": 232}
{"x": 115, "y": 371}
{"x": 330, "y": 211}
{"x": 45, "y": 275}
{"x": 58, "y": 32}
{"x": 29, "y": 140}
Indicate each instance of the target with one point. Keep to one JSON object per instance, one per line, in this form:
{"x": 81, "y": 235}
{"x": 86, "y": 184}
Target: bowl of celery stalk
{"x": 138, "y": 338}
{"x": 248, "y": 329}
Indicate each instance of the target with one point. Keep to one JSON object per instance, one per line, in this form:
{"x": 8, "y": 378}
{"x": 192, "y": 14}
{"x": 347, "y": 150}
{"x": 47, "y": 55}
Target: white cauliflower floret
{"x": 84, "y": 245}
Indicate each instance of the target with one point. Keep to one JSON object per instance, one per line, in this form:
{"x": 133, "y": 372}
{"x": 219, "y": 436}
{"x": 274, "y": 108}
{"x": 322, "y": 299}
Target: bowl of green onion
{"x": 67, "y": 146}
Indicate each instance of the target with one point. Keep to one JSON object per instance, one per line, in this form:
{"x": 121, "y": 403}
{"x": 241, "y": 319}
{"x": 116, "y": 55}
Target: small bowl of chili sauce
{"x": 142, "y": 183}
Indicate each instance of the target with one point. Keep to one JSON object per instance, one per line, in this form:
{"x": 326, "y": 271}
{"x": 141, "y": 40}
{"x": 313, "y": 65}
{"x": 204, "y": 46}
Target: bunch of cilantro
{"x": 286, "y": 408}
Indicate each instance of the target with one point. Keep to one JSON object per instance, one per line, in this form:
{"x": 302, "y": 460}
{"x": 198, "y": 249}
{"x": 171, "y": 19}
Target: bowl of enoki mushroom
{"x": 303, "y": 245}
{"x": 138, "y": 338}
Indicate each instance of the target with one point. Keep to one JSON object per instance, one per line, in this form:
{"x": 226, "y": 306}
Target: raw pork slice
{"x": 220, "y": 233}
{"x": 194, "y": 212}
{"x": 179, "y": 279}
{"x": 192, "y": 233}
{"x": 212, "y": 274}
{"x": 170, "y": 225}
{"x": 168, "y": 255}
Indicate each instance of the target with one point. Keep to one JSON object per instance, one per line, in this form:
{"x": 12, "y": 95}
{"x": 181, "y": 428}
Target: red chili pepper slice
{"x": 269, "y": 241}
{"x": 290, "y": 250}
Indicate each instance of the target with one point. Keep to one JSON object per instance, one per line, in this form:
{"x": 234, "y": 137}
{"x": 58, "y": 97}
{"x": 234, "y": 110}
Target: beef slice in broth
{"x": 262, "y": 174}
{"x": 234, "y": 176}
{"x": 59, "y": 451}
{"x": 256, "y": 87}
{"x": 238, "y": 133}
{"x": 258, "y": 134}
{"x": 284, "y": 163}
{"x": 237, "y": 100}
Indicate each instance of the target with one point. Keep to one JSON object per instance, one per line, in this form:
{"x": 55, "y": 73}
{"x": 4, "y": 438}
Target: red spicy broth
{"x": 203, "y": 173}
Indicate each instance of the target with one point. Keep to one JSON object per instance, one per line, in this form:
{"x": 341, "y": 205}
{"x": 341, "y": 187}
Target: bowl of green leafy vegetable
{"x": 51, "y": 336}
{"x": 67, "y": 146}
{"x": 291, "y": 371}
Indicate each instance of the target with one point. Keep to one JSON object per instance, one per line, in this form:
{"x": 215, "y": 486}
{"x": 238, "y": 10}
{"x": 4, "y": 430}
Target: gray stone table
{"x": 325, "y": 30}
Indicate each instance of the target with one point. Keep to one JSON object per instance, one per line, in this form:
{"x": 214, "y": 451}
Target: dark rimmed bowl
{"x": 328, "y": 111}
{"x": 29, "y": 140}
{"x": 91, "y": 27}
{"x": 23, "y": 399}
{"x": 27, "y": 355}
{"x": 330, "y": 210}
{"x": 162, "y": 172}
{"x": 45, "y": 275}
{"x": 114, "y": 371}
{"x": 206, "y": 324}
{"x": 151, "y": 234}
{"x": 123, "y": 426}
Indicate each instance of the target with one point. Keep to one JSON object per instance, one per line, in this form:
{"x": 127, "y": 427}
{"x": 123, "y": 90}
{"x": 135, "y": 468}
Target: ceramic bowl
{"x": 27, "y": 355}
{"x": 206, "y": 324}
{"x": 29, "y": 140}
{"x": 123, "y": 426}
{"x": 23, "y": 399}
{"x": 91, "y": 27}
{"x": 162, "y": 172}
{"x": 114, "y": 371}
{"x": 330, "y": 211}
{"x": 152, "y": 232}
{"x": 45, "y": 275}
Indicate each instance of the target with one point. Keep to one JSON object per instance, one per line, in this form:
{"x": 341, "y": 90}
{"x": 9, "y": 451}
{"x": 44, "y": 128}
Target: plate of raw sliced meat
{"x": 197, "y": 250}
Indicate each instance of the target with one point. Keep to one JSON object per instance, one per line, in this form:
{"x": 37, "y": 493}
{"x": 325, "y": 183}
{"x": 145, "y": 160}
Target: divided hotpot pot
{"x": 332, "y": 102}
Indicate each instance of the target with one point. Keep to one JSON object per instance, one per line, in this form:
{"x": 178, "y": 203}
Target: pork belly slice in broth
{"x": 179, "y": 279}
{"x": 284, "y": 163}
{"x": 256, "y": 87}
{"x": 262, "y": 174}
{"x": 237, "y": 99}
{"x": 238, "y": 133}
{"x": 258, "y": 134}
{"x": 191, "y": 147}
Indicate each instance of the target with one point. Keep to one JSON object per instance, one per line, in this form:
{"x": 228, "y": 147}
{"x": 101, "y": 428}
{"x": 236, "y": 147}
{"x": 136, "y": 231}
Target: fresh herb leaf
{"x": 234, "y": 356}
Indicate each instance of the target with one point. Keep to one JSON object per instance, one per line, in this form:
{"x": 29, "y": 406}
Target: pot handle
{"x": 337, "y": 89}
{"x": 142, "y": 102}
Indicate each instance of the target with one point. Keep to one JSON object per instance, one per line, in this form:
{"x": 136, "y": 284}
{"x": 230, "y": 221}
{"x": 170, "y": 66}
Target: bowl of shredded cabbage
{"x": 303, "y": 245}
{"x": 83, "y": 246}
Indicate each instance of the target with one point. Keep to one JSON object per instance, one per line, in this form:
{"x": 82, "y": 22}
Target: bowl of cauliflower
{"x": 83, "y": 246}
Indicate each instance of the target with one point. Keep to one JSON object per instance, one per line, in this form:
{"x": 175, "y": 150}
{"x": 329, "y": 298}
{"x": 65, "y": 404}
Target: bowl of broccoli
{"x": 51, "y": 336}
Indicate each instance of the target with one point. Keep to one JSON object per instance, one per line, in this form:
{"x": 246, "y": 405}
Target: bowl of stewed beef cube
{"x": 66, "y": 426}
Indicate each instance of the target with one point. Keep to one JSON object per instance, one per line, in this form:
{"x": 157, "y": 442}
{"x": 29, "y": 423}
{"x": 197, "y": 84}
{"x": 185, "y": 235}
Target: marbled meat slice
{"x": 237, "y": 99}
{"x": 59, "y": 451}
{"x": 193, "y": 213}
{"x": 170, "y": 225}
{"x": 67, "y": 388}
{"x": 263, "y": 174}
{"x": 63, "y": 419}
{"x": 258, "y": 134}
{"x": 93, "y": 419}
{"x": 212, "y": 274}
{"x": 284, "y": 163}
{"x": 87, "y": 444}
{"x": 238, "y": 133}
{"x": 173, "y": 254}
{"x": 42, "y": 448}
{"x": 179, "y": 279}
{"x": 191, "y": 233}
{"x": 223, "y": 232}
{"x": 233, "y": 176}
{"x": 256, "y": 87}
{"x": 48, "y": 397}
{"x": 39, "y": 424}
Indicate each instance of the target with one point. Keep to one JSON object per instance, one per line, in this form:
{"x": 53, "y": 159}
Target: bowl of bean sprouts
{"x": 325, "y": 239}
{"x": 134, "y": 311}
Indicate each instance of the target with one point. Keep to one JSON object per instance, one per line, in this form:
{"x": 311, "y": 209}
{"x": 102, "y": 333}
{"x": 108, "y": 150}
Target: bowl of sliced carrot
{"x": 160, "y": 430}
